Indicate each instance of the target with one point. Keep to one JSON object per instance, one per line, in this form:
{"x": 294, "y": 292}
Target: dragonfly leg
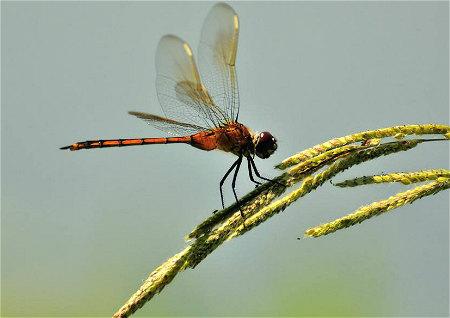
{"x": 233, "y": 184}
{"x": 250, "y": 173}
{"x": 224, "y": 178}
{"x": 252, "y": 162}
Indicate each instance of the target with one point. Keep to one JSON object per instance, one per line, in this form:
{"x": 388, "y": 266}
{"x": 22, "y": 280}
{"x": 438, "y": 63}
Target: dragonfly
{"x": 201, "y": 105}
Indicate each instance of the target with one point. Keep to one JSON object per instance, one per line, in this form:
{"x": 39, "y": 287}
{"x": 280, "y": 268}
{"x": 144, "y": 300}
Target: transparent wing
{"x": 181, "y": 93}
{"x": 168, "y": 125}
{"x": 217, "y": 57}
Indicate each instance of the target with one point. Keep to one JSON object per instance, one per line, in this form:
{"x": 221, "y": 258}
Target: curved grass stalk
{"x": 257, "y": 207}
{"x": 397, "y": 131}
{"x": 376, "y": 208}
{"x": 155, "y": 282}
{"x": 312, "y": 182}
{"x": 261, "y": 196}
{"x": 403, "y": 177}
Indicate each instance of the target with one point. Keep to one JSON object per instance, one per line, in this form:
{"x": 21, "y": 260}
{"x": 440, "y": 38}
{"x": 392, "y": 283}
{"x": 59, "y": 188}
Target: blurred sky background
{"x": 82, "y": 230}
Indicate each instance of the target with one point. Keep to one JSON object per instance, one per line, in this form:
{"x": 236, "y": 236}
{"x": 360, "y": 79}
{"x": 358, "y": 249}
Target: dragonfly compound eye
{"x": 266, "y": 145}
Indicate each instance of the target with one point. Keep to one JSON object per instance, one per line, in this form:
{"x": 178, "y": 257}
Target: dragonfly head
{"x": 265, "y": 144}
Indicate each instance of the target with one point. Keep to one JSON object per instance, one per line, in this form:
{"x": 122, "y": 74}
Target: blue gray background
{"x": 81, "y": 230}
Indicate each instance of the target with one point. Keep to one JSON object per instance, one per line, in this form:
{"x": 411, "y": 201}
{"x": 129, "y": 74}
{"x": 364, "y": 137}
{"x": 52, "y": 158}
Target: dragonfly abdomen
{"x": 90, "y": 144}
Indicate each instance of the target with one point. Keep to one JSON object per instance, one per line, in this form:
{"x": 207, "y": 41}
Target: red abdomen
{"x": 233, "y": 137}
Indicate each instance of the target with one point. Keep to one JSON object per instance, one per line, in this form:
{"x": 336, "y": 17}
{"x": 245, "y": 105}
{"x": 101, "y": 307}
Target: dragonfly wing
{"x": 181, "y": 93}
{"x": 168, "y": 125}
{"x": 217, "y": 57}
